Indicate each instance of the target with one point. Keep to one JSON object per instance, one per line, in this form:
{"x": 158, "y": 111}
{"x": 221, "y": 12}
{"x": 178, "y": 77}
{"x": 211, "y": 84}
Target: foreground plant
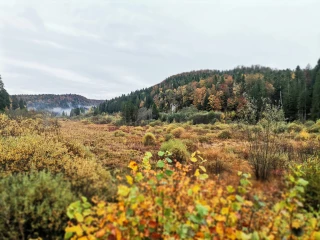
{"x": 167, "y": 201}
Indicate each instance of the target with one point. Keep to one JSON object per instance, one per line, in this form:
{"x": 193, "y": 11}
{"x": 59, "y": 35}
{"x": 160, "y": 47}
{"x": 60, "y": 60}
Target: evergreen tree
{"x": 22, "y": 104}
{"x": 14, "y": 103}
{"x": 315, "y": 111}
{"x": 155, "y": 112}
{"x": 4, "y": 97}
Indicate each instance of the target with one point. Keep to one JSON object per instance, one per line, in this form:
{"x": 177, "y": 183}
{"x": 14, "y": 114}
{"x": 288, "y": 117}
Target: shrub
{"x": 177, "y": 148}
{"x": 119, "y": 133}
{"x": 206, "y": 138}
{"x": 166, "y": 202}
{"x": 149, "y": 139}
{"x": 303, "y": 135}
{"x": 294, "y": 127}
{"x": 22, "y": 154}
{"x": 191, "y": 145}
{"x": 309, "y": 123}
{"x": 281, "y": 127}
{"x": 315, "y": 128}
{"x": 156, "y": 123}
{"x": 168, "y": 137}
{"x": 177, "y": 132}
{"x": 224, "y": 134}
{"x": 311, "y": 173}
{"x": 170, "y": 128}
{"x": 33, "y": 205}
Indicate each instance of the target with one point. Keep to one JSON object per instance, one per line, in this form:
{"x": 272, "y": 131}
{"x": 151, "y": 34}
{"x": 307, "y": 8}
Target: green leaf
{"x": 160, "y": 154}
{"x": 202, "y": 210}
{"x": 159, "y": 201}
{"x": 203, "y": 176}
{"x": 167, "y": 212}
{"x": 302, "y": 182}
{"x": 68, "y": 235}
{"x": 169, "y": 160}
{"x": 160, "y": 164}
{"x": 139, "y": 177}
{"x": 230, "y": 189}
{"x": 148, "y": 154}
{"x": 169, "y": 172}
{"x": 236, "y": 206}
{"x": 255, "y": 236}
{"x": 84, "y": 199}
{"x": 239, "y": 198}
{"x": 160, "y": 176}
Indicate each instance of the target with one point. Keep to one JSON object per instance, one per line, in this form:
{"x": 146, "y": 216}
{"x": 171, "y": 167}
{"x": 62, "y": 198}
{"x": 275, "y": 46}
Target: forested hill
{"x": 52, "y": 101}
{"x": 296, "y": 91}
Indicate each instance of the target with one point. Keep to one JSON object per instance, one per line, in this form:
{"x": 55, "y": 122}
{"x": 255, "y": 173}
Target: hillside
{"x": 229, "y": 91}
{"x": 57, "y": 103}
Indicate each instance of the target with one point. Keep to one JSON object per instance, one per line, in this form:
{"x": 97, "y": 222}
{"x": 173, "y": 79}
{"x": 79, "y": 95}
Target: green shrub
{"x": 168, "y": 137}
{"x": 205, "y": 138}
{"x": 224, "y": 134}
{"x": 119, "y": 133}
{"x": 190, "y": 144}
{"x": 311, "y": 170}
{"x": 177, "y": 132}
{"x": 177, "y": 148}
{"x": 33, "y": 206}
{"x": 294, "y": 127}
{"x": 282, "y": 127}
{"x": 149, "y": 139}
{"x": 309, "y": 123}
{"x": 155, "y": 123}
{"x": 315, "y": 128}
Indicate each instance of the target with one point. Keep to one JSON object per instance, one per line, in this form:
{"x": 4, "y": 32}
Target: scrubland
{"x": 77, "y": 179}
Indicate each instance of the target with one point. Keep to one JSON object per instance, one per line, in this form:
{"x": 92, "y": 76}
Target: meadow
{"x": 77, "y": 179}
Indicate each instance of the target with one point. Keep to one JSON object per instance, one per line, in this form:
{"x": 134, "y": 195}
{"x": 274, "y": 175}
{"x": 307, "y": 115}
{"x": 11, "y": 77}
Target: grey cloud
{"x": 103, "y": 49}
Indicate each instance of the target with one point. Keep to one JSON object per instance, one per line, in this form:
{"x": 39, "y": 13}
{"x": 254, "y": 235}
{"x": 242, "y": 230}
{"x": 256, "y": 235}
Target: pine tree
{"x": 14, "y": 103}
{"x": 315, "y": 111}
{"x": 22, "y": 104}
{"x": 4, "y": 97}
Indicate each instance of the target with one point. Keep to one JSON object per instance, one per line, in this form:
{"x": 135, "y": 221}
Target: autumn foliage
{"x": 168, "y": 200}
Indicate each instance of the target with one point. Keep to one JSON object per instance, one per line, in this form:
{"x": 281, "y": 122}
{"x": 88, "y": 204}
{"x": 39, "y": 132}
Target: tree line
{"x": 296, "y": 91}
{"x": 7, "y": 102}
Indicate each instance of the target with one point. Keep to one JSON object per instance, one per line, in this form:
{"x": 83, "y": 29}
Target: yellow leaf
{"x": 203, "y": 168}
{"x": 75, "y": 229}
{"x": 100, "y": 233}
{"x": 118, "y": 234}
{"x": 129, "y": 179}
{"x": 133, "y": 165}
{"x": 197, "y": 173}
{"x": 79, "y": 217}
{"x": 193, "y": 159}
{"x": 316, "y": 235}
{"x": 248, "y": 203}
{"x": 123, "y": 190}
{"x": 195, "y": 189}
{"x": 219, "y": 229}
{"x": 224, "y": 211}
{"x": 296, "y": 224}
{"x": 121, "y": 219}
{"x": 220, "y": 218}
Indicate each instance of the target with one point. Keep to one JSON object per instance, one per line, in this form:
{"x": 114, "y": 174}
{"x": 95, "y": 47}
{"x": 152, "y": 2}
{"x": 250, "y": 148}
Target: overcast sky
{"x": 102, "y": 49}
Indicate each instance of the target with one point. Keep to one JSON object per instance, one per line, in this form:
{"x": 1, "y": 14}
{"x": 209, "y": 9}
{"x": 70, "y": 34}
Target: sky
{"x": 105, "y": 48}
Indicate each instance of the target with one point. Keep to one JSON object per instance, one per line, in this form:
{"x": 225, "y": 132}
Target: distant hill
{"x": 229, "y": 91}
{"x": 57, "y": 103}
